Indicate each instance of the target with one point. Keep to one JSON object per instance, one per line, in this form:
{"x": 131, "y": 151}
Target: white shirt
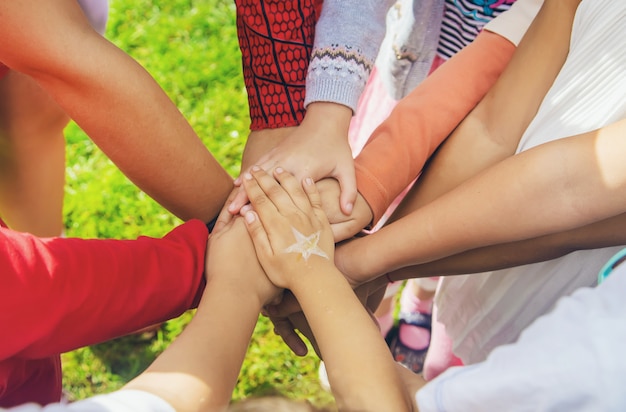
{"x": 571, "y": 359}
{"x": 119, "y": 401}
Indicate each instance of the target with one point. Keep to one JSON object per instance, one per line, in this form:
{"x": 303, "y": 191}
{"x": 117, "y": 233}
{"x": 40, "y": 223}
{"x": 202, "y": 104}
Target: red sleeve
{"x": 401, "y": 145}
{"x": 3, "y": 70}
{"x": 276, "y": 40}
{"x": 30, "y": 380}
{"x": 59, "y": 294}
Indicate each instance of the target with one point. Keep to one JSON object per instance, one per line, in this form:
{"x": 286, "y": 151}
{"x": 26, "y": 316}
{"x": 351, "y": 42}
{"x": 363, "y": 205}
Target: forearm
{"x": 518, "y": 193}
{"x": 605, "y": 233}
{"x": 260, "y": 142}
{"x": 347, "y": 336}
{"x": 149, "y": 140}
{"x": 132, "y": 120}
{"x": 198, "y": 372}
{"x": 529, "y": 75}
{"x": 492, "y": 130}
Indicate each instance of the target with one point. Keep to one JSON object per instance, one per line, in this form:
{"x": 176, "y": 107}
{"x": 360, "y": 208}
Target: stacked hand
{"x": 231, "y": 254}
{"x": 318, "y": 148}
{"x": 291, "y": 233}
{"x": 288, "y": 220}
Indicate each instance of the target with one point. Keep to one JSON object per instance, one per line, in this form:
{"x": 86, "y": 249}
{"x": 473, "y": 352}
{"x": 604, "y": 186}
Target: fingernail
{"x": 245, "y": 208}
{"x": 279, "y": 170}
{"x": 301, "y": 349}
{"x": 247, "y": 176}
{"x": 308, "y": 181}
{"x": 255, "y": 168}
{"x": 249, "y": 217}
{"x": 349, "y": 207}
{"x": 237, "y": 181}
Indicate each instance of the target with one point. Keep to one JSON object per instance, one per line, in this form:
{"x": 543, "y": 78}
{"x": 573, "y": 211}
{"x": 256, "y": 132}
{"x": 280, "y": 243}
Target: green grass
{"x": 190, "y": 47}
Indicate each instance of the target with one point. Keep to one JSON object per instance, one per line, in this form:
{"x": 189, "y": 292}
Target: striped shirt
{"x": 463, "y": 20}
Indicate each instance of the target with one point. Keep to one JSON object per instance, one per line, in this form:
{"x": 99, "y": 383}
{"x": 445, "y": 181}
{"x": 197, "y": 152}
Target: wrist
{"x": 328, "y": 113}
{"x": 261, "y": 142}
{"x": 365, "y": 211}
{"x": 363, "y": 262}
{"x": 307, "y": 282}
{"x": 232, "y": 284}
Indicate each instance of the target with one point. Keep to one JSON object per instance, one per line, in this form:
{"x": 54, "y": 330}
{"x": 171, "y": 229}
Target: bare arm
{"x": 116, "y": 102}
{"x": 605, "y": 233}
{"x": 199, "y": 370}
{"x": 492, "y": 130}
{"x": 344, "y": 331}
{"x": 518, "y": 192}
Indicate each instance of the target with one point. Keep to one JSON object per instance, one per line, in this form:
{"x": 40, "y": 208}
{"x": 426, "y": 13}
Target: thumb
{"x": 347, "y": 182}
{"x": 238, "y": 201}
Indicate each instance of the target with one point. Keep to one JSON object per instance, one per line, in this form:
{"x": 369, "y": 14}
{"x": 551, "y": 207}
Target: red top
{"x": 60, "y": 294}
{"x": 3, "y": 70}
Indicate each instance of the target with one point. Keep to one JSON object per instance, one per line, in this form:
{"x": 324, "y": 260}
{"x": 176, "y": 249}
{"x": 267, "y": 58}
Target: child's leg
{"x": 440, "y": 356}
{"x": 384, "y": 312}
{"x": 418, "y": 295}
{"x": 411, "y": 344}
{"x": 32, "y": 171}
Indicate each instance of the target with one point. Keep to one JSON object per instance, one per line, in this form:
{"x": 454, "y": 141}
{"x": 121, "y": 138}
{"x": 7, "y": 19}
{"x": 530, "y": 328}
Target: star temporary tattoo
{"x": 306, "y": 245}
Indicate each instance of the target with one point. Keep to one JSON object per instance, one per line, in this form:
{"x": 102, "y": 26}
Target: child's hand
{"x": 343, "y": 226}
{"x": 231, "y": 256}
{"x": 318, "y": 148}
{"x": 291, "y": 233}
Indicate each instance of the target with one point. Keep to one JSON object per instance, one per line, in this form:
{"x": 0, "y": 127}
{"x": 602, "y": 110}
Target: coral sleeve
{"x": 401, "y": 145}
{"x": 58, "y": 294}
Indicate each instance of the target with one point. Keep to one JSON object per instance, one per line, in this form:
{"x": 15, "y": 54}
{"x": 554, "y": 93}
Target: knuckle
{"x": 274, "y": 191}
{"x": 259, "y": 199}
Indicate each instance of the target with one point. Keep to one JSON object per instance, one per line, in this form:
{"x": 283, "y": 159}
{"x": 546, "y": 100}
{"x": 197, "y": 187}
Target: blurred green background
{"x": 190, "y": 47}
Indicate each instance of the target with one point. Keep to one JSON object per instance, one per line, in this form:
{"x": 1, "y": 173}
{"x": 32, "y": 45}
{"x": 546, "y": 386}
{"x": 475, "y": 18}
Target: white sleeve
{"x": 120, "y": 401}
{"x": 513, "y": 23}
{"x": 571, "y": 359}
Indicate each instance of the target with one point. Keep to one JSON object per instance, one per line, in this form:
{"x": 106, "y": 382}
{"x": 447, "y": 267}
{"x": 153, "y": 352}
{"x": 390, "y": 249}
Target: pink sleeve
{"x": 401, "y": 145}
{"x": 59, "y": 294}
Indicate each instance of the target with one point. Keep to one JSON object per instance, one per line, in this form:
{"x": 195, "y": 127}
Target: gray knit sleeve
{"x": 347, "y": 38}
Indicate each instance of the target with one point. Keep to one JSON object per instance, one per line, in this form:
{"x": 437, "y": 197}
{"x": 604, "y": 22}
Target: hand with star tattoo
{"x": 290, "y": 230}
{"x": 294, "y": 244}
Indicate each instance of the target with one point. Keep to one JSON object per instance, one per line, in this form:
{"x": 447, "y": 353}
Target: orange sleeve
{"x": 401, "y": 145}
